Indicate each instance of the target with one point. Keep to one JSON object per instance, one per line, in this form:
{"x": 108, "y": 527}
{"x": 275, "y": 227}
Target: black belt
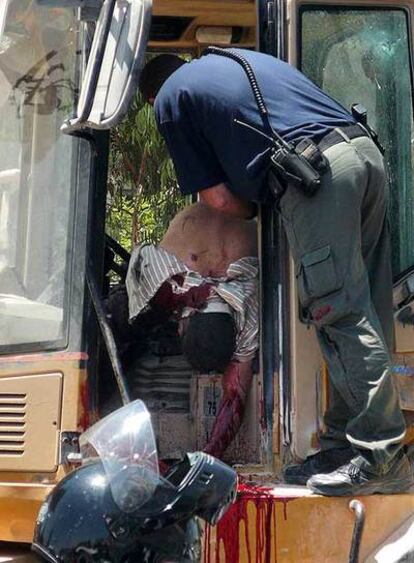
{"x": 333, "y": 138}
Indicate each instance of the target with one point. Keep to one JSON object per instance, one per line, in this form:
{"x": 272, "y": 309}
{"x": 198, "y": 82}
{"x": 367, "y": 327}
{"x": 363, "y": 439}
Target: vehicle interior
{"x": 183, "y": 419}
{"x": 291, "y": 389}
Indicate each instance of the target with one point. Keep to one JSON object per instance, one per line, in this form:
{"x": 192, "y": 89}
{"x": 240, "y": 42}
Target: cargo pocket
{"x": 317, "y": 276}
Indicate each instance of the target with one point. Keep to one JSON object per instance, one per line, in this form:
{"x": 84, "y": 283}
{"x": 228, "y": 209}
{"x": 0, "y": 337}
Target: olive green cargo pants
{"x": 340, "y": 244}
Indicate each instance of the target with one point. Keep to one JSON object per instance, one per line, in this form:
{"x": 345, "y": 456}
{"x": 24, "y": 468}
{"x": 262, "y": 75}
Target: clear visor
{"x": 125, "y": 443}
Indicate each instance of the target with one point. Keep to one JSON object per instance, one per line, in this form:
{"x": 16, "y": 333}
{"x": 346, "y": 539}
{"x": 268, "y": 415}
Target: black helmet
{"x": 80, "y": 522}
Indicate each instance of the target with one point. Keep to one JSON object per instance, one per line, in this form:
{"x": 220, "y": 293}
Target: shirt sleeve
{"x": 248, "y": 339}
{"x": 195, "y": 163}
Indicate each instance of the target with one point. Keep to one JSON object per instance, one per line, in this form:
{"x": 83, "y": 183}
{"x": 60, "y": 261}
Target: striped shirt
{"x": 150, "y": 266}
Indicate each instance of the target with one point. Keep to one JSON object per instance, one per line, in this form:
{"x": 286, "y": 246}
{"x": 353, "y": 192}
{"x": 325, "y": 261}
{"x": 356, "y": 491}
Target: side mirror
{"x": 4, "y": 6}
{"x": 114, "y": 65}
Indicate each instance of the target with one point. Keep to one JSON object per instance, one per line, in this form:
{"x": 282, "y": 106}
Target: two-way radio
{"x": 300, "y": 165}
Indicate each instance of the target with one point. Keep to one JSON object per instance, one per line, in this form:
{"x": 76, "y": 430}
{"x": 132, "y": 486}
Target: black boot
{"x": 322, "y": 462}
{"x": 352, "y": 480}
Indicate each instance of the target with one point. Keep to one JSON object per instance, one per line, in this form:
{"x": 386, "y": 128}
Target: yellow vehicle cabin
{"x": 66, "y": 80}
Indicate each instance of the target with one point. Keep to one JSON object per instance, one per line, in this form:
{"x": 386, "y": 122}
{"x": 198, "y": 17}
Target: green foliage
{"x": 143, "y": 194}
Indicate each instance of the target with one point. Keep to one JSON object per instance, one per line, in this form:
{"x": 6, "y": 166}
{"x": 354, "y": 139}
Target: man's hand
{"x": 222, "y": 199}
{"x": 236, "y": 384}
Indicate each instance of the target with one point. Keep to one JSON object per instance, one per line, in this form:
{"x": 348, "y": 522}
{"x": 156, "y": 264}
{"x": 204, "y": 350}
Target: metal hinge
{"x": 405, "y": 296}
{"x": 406, "y": 315}
{"x": 69, "y": 448}
{"x": 408, "y": 288}
{"x": 271, "y": 13}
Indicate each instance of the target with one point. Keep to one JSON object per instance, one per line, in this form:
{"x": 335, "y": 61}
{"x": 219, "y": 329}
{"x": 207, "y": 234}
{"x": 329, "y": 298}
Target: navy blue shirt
{"x": 196, "y": 107}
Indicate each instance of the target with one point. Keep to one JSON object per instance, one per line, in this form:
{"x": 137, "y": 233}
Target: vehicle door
{"x": 359, "y": 51}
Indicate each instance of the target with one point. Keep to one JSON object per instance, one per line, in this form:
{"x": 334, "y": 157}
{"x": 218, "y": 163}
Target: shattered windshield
{"x": 363, "y": 56}
{"x": 38, "y": 61}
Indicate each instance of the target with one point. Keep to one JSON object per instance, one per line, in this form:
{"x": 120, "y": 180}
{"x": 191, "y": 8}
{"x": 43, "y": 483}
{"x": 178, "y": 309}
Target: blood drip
{"x": 227, "y": 538}
{"x": 84, "y": 418}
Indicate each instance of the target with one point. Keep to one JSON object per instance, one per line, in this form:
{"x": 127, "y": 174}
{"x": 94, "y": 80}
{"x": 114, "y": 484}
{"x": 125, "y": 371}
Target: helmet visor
{"x": 125, "y": 443}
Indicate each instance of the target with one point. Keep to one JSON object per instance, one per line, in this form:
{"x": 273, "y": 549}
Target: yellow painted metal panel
{"x": 23, "y": 488}
{"x": 19, "y": 506}
{"x": 29, "y": 422}
{"x": 272, "y": 526}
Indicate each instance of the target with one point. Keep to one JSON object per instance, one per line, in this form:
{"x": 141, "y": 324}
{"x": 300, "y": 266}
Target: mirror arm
{"x": 79, "y": 121}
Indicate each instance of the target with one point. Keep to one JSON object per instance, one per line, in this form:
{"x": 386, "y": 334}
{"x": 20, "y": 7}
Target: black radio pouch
{"x": 301, "y": 165}
{"x": 309, "y": 150}
{"x": 360, "y": 114}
